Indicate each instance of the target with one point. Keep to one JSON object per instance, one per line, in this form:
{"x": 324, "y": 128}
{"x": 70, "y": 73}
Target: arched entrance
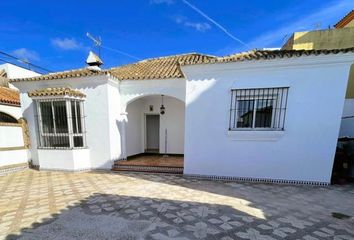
{"x": 153, "y": 139}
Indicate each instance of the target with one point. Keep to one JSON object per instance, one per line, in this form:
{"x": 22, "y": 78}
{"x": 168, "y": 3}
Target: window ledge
{"x": 64, "y": 149}
{"x": 254, "y": 135}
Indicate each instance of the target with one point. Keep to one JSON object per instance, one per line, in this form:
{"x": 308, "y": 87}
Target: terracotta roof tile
{"x": 270, "y": 54}
{"x": 82, "y": 72}
{"x": 59, "y": 91}
{"x": 169, "y": 66}
{"x": 9, "y": 96}
{"x": 345, "y": 20}
{"x": 158, "y": 68}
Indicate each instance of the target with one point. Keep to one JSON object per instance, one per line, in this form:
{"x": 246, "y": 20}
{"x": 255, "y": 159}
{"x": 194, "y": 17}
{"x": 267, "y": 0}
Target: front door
{"x": 152, "y": 133}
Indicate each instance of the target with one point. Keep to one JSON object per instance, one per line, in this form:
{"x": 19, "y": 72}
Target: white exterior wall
{"x": 172, "y": 121}
{"x": 134, "y": 89}
{"x": 14, "y": 71}
{"x": 12, "y": 157}
{"x": 67, "y": 160}
{"x": 96, "y": 109}
{"x": 304, "y": 151}
{"x": 134, "y": 127}
{"x": 11, "y": 136}
{"x": 115, "y": 121}
{"x": 11, "y": 110}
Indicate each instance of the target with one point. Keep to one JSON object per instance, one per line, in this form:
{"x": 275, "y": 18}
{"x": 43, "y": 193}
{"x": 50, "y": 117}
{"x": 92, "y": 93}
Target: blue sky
{"x": 52, "y": 34}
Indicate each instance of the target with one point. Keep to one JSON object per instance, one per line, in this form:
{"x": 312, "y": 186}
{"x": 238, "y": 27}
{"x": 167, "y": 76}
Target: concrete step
{"x": 134, "y": 168}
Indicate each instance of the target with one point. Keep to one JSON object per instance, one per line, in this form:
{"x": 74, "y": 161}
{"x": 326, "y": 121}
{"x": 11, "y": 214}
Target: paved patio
{"x": 56, "y": 205}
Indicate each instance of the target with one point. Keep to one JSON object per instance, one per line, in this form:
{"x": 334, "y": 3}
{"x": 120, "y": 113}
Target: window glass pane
{"x": 73, "y": 116}
{"x": 245, "y": 113}
{"x": 61, "y": 122}
{"x": 264, "y": 112}
{"x": 78, "y": 141}
{"x": 56, "y": 141}
{"x": 47, "y": 117}
{"x": 78, "y": 115}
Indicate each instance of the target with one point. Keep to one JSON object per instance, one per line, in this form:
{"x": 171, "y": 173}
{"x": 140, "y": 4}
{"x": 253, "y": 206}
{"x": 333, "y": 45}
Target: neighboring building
{"x": 347, "y": 21}
{"x": 259, "y": 115}
{"x": 13, "y": 134}
{"x": 342, "y": 36}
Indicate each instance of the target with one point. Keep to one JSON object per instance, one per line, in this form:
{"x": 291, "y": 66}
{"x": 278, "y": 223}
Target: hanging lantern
{"x": 162, "y": 108}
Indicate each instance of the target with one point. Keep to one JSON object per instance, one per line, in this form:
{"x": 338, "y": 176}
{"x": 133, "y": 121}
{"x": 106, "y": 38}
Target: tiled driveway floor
{"x": 55, "y": 205}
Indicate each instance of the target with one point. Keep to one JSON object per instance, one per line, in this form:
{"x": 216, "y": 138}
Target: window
{"x": 61, "y": 123}
{"x": 258, "y": 109}
{"x": 6, "y": 118}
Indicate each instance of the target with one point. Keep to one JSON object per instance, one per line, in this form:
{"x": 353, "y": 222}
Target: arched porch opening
{"x": 143, "y": 116}
{"x": 152, "y": 138}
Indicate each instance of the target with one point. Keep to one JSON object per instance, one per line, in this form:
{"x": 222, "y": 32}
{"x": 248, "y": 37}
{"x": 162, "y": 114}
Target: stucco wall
{"x": 304, "y": 151}
{"x": 11, "y": 140}
{"x": 96, "y": 110}
{"x": 134, "y": 89}
{"x": 17, "y": 72}
{"x": 115, "y": 121}
{"x": 67, "y": 160}
{"x": 11, "y": 110}
{"x": 12, "y": 157}
{"x": 172, "y": 121}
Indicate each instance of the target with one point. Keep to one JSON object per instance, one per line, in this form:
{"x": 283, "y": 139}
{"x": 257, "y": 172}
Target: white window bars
{"x": 61, "y": 123}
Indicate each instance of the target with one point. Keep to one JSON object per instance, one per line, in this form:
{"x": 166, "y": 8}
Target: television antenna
{"x": 97, "y": 41}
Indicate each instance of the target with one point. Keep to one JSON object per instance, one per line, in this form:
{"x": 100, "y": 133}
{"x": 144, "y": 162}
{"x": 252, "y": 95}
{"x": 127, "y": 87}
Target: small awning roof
{"x": 58, "y": 91}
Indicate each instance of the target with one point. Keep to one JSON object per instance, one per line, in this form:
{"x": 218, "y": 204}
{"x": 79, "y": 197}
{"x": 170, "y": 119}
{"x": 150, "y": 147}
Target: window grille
{"x": 61, "y": 123}
{"x": 258, "y": 109}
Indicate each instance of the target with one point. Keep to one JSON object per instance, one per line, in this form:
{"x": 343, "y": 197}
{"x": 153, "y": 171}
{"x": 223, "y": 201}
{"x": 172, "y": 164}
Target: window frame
{"x": 279, "y": 107}
{"x": 70, "y": 133}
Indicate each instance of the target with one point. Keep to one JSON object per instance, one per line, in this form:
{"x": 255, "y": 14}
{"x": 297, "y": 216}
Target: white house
{"x": 13, "y": 146}
{"x": 259, "y": 115}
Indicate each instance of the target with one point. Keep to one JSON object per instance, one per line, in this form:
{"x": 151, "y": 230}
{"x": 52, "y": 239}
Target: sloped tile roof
{"x": 169, "y": 67}
{"x": 158, "y": 68}
{"x": 9, "y": 96}
{"x": 58, "y": 91}
{"x": 345, "y": 20}
{"x": 270, "y": 54}
{"x": 82, "y": 72}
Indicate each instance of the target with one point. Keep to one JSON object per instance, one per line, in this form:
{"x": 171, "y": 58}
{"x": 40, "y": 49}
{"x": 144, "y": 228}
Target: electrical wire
{"x": 24, "y": 62}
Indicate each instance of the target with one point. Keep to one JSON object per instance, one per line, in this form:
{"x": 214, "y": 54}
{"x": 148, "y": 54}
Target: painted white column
{"x": 123, "y": 120}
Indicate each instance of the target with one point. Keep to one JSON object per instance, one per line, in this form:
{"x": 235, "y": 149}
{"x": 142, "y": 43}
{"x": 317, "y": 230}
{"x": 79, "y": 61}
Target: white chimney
{"x": 94, "y": 61}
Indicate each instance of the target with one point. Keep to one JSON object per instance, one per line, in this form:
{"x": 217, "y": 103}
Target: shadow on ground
{"x": 105, "y": 216}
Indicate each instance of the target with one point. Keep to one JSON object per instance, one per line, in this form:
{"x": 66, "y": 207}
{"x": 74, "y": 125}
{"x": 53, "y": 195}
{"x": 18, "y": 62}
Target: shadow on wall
{"x": 105, "y": 216}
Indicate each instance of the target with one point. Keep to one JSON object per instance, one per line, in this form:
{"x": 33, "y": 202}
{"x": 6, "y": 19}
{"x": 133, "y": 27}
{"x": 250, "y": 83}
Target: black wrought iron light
{"x": 162, "y": 108}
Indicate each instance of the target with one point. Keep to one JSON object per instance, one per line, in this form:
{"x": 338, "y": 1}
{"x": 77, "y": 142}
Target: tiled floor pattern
{"x": 56, "y": 205}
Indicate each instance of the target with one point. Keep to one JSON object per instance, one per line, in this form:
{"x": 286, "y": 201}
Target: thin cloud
{"x": 218, "y": 25}
{"x": 66, "y": 43}
{"x": 26, "y": 54}
{"x": 198, "y": 26}
{"x": 327, "y": 15}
